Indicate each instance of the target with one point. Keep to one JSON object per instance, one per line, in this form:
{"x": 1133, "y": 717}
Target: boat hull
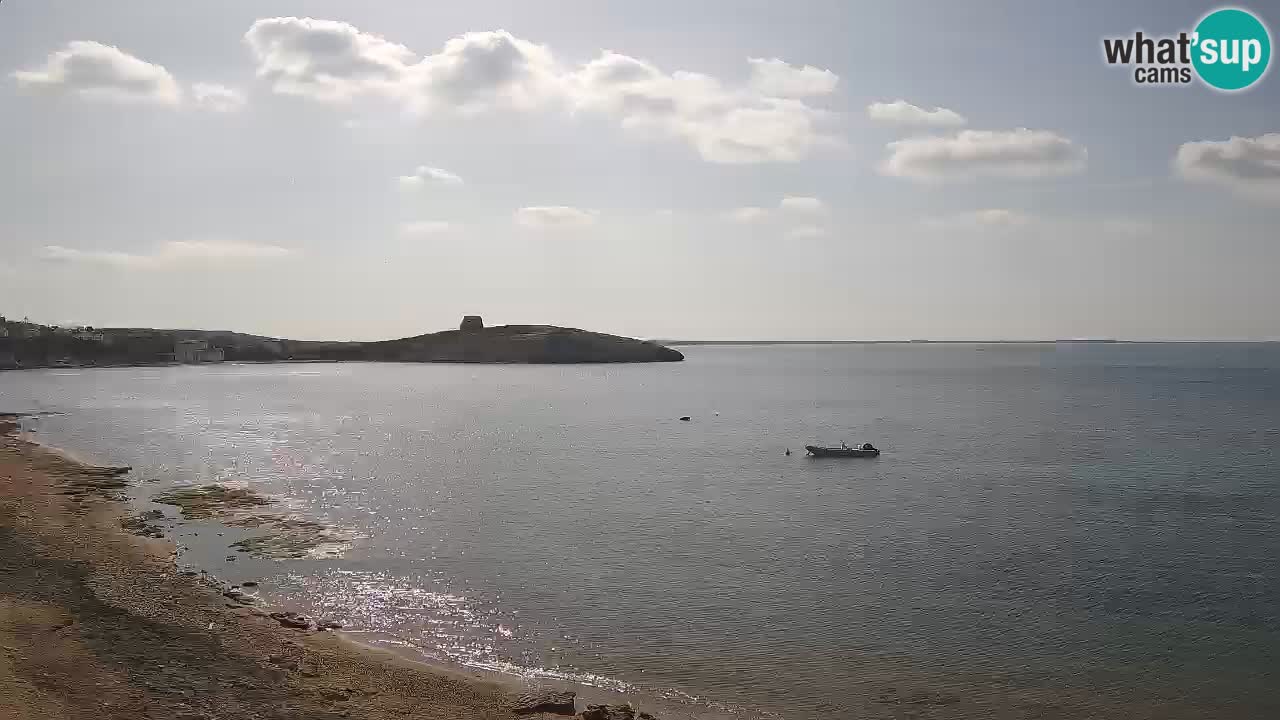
{"x": 817, "y": 451}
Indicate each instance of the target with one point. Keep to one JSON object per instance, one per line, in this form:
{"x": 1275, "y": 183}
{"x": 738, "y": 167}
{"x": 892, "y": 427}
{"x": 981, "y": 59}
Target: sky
{"x": 709, "y": 170}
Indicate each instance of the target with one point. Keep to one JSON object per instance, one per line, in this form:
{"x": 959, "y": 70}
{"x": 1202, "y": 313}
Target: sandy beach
{"x": 96, "y": 622}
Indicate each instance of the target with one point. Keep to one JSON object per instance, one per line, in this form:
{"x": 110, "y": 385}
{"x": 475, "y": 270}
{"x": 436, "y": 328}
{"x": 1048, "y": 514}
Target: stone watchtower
{"x": 471, "y": 322}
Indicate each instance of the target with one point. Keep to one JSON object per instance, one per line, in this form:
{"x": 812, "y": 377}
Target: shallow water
{"x": 1073, "y": 520}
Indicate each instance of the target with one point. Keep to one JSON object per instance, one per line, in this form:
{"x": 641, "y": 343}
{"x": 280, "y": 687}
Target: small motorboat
{"x": 863, "y": 450}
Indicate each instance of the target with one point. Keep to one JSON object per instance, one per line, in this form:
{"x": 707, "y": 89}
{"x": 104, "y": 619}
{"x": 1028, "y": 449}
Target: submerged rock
{"x": 240, "y": 597}
{"x": 207, "y": 501}
{"x": 289, "y": 537}
{"x": 560, "y": 702}
{"x": 141, "y": 524}
{"x": 613, "y": 712}
{"x": 292, "y": 619}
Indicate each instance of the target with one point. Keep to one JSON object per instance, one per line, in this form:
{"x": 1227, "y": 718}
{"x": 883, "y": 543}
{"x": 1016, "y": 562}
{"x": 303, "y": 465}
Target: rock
{"x": 685, "y": 418}
{"x": 292, "y": 619}
{"x": 329, "y": 625}
{"x": 560, "y": 702}
{"x": 249, "y": 583}
{"x": 612, "y": 712}
{"x": 231, "y": 558}
{"x": 239, "y": 597}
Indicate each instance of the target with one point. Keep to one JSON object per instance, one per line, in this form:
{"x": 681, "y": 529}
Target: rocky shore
{"x": 97, "y": 622}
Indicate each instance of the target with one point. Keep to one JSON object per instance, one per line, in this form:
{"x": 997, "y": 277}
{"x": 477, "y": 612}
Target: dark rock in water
{"x": 107, "y": 470}
{"x": 559, "y": 702}
{"x": 239, "y": 597}
{"x": 292, "y": 619}
{"x": 328, "y": 625}
{"x": 141, "y": 524}
{"x": 249, "y": 583}
{"x": 685, "y": 418}
{"x": 613, "y": 712}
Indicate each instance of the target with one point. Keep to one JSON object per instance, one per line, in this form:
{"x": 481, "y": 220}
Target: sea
{"x": 1052, "y": 530}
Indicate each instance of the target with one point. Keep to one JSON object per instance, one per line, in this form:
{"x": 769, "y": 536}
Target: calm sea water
{"x": 1050, "y": 528}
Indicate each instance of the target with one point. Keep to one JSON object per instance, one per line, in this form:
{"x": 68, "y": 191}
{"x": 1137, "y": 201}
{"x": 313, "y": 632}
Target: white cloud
{"x": 217, "y": 98}
{"x": 1020, "y": 153}
{"x": 478, "y": 70}
{"x": 901, "y": 112}
{"x": 801, "y": 204}
{"x": 806, "y": 231}
{"x": 326, "y": 59}
{"x": 425, "y": 228}
{"x": 747, "y": 215}
{"x": 985, "y": 218}
{"x": 724, "y": 124}
{"x": 334, "y": 61}
{"x": 167, "y": 255}
{"x": 96, "y": 71}
{"x": 758, "y": 122}
{"x": 555, "y": 216}
{"x": 1247, "y": 165}
{"x": 423, "y": 176}
{"x": 780, "y": 79}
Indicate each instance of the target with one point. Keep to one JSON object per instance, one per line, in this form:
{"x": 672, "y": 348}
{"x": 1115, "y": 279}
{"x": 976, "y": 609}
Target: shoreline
{"x": 99, "y": 622}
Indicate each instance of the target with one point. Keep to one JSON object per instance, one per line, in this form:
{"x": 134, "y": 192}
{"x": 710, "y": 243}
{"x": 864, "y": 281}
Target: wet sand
{"x": 96, "y": 622}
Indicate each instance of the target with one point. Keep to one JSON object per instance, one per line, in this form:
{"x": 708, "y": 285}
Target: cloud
{"x": 985, "y": 218}
{"x": 425, "y": 228}
{"x": 1020, "y": 153}
{"x": 747, "y": 215}
{"x": 1247, "y": 165}
{"x": 801, "y": 204}
{"x": 724, "y": 124}
{"x": 901, "y": 112}
{"x": 423, "y": 176}
{"x": 780, "y": 79}
{"x": 334, "y": 61}
{"x": 102, "y": 72}
{"x": 806, "y": 231}
{"x": 326, "y": 60}
{"x": 166, "y": 255}
{"x": 555, "y": 216}
{"x": 757, "y": 122}
{"x": 217, "y": 98}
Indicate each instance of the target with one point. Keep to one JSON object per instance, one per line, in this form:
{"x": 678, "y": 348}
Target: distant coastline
{"x": 1105, "y": 341}
{"x": 30, "y": 345}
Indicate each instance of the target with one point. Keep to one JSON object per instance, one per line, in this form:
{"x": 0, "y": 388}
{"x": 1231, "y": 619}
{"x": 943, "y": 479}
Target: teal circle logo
{"x": 1231, "y": 49}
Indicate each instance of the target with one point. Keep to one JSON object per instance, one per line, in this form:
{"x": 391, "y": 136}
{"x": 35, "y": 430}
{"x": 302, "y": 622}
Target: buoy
{"x": 788, "y": 452}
